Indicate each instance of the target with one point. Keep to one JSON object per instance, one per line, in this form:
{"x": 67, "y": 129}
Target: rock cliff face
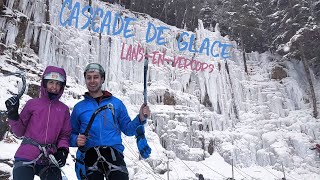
{"x": 193, "y": 113}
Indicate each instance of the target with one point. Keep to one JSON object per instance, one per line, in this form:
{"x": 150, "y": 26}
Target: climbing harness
{"x": 102, "y": 159}
{"x": 80, "y": 167}
{"x": 44, "y": 149}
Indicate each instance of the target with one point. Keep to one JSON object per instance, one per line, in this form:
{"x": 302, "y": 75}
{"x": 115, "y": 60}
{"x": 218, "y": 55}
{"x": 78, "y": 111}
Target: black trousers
{"x": 26, "y": 172}
{"x": 92, "y": 156}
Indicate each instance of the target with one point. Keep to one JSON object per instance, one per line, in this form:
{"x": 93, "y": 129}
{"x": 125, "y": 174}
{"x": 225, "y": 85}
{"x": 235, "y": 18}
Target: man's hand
{"x": 142, "y": 143}
{"x": 81, "y": 140}
{"x": 144, "y": 112}
{"x": 12, "y": 105}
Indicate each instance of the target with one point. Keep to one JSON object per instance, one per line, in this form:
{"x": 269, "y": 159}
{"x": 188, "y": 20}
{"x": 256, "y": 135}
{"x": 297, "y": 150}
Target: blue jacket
{"x": 105, "y": 130}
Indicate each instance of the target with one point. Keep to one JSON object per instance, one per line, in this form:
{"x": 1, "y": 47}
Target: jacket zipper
{"x": 48, "y": 122}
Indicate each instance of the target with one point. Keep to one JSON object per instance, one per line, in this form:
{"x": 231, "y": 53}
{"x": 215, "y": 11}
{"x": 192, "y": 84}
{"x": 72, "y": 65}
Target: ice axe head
{"x": 23, "y": 78}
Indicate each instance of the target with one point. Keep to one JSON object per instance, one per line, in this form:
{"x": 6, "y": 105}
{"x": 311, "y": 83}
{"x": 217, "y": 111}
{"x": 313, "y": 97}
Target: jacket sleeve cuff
{"x": 73, "y": 140}
{"x": 140, "y": 122}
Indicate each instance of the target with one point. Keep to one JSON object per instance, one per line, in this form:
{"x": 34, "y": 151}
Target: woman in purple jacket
{"x": 44, "y": 124}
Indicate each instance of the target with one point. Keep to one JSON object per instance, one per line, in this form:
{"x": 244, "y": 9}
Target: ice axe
{"x": 3, "y": 114}
{"x": 145, "y": 73}
{"x": 24, "y": 82}
{"x": 22, "y": 76}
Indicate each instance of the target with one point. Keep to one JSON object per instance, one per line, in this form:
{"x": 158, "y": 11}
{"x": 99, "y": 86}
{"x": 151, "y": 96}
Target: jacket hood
{"x": 43, "y": 90}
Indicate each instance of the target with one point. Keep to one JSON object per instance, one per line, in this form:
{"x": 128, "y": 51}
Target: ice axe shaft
{"x": 145, "y": 73}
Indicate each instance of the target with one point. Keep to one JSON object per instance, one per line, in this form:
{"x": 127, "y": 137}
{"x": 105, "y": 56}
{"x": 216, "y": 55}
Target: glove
{"x": 142, "y": 144}
{"x": 61, "y": 156}
{"x": 12, "y": 105}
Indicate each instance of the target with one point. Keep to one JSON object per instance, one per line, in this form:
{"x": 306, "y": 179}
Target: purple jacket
{"x": 43, "y": 120}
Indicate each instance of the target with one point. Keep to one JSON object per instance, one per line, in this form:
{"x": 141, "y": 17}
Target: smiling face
{"x": 94, "y": 83}
{"x": 54, "y": 86}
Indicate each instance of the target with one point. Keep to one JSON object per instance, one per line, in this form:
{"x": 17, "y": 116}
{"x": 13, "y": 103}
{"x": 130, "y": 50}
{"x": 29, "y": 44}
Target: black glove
{"x": 142, "y": 143}
{"x": 61, "y": 156}
{"x": 12, "y": 105}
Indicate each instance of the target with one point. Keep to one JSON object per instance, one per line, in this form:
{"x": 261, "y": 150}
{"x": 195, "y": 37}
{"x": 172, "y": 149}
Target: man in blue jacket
{"x": 103, "y": 157}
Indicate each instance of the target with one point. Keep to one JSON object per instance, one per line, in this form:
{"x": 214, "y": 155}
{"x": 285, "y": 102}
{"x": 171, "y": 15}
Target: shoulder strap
{"x": 95, "y": 113}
